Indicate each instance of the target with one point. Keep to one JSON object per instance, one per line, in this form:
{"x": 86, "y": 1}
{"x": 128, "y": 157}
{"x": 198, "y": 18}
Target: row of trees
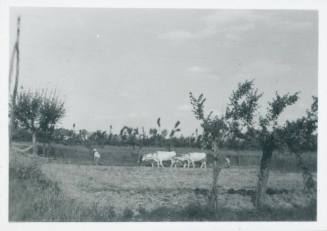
{"x": 129, "y": 136}
{"x": 101, "y": 138}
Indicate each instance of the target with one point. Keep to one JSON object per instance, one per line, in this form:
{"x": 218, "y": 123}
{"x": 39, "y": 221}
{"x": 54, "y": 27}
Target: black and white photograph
{"x": 162, "y": 114}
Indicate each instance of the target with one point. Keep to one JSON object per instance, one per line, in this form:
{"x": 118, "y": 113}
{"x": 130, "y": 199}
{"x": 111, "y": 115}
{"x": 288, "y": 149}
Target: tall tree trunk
{"x": 34, "y": 143}
{"x": 308, "y": 181}
{"x": 44, "y": 149}
{"x": 263, "y": 177}
{"x": 13, "y": 102}
{"x": 13, "y": 97}
{"x": 214, "y": 191}
{"x": 216, "y": 169}
{"x": 139, "y": 155}
{"x": 50, "y": 150}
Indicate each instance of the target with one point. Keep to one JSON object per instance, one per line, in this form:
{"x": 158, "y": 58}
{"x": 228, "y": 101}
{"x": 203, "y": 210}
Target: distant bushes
{"x": 102, "y": 138}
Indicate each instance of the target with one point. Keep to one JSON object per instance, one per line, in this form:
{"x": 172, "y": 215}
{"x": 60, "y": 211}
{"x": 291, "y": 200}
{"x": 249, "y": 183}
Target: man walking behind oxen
{"x": 96, "y": 156}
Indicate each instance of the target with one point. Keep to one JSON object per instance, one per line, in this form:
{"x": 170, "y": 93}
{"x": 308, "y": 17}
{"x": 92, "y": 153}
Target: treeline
{"x": 139, "y": 137}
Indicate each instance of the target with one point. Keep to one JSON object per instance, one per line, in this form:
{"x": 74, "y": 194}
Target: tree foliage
{"x": 198, "y": 105}
{"x": 279, "y": 103}
{"x": 27, "y": 110}
{"x": 235, "y": 123}
{"x": 39, "y": 113}
{"x": 242, "y": 122}
{"x": 213, "y": 127}
{"x": 243, "y": 104}
{"x": 51, "y": 111}
{"x": 300, "y": 134}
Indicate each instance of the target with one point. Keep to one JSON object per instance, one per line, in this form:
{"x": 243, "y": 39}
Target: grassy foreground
{"x": 33, "y": 197}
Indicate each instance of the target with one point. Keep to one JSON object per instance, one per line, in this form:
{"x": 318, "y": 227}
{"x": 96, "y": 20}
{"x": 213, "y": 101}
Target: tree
{"x": 110, "y": 135}
{"x": 83, "y": 137}
{"x": 300, "y": 136}
{"x": 158, "y": 138}
{"x": 164, "y": 133}
{"x": 235, "y": 122}
{"x": 172, "y": 133}
{"x": 27, "y": 113}
{"x": 269, "y": 140}
{"x": 12, "y": 105}
{"x": 38, "y": 113}
{"x": 159, "y": 124}
{"x": 98, "y": 137}
{"x": 239, "y": 122}
{"x": 175, "y": 129}
{"x": 214, "y": 132}
{"x": 241, "y": 113}
{"x": 133, "y": 137}
{"x": 130, "y": 135}
{"x": 51, "y": 111}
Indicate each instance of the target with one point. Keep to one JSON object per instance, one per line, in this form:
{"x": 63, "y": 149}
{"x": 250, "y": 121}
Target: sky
{"x": 130, "y": 66}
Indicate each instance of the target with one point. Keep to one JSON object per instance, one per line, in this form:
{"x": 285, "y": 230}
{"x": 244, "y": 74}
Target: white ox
{"x": 197, "y": 157}
{"x": 182, "y": 159}
{"x": 191, "y": 158}
{"x": 159, "y": 157}
{"x": 149, "y": 157}
{"x": 187, "y": 159}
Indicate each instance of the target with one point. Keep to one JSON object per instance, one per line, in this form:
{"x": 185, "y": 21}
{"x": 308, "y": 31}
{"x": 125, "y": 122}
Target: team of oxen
{"x": 185, "y": 160}
{"x": 157, "y": 158}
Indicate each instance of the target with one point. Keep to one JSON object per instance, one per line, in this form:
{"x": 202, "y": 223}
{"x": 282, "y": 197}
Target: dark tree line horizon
{"x": 130, "y": 136}
{"x": 136, "y": 137}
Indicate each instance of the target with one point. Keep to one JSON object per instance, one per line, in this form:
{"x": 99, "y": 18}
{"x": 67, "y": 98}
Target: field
{"x": 127, "y": 156}
{"x": 119, "y": 190}
{"x": 150, "y": 188}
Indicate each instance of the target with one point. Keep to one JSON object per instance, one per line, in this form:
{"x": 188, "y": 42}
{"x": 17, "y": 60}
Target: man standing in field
{"x": 227, "y": 163}
{"x": 96, "y": 156}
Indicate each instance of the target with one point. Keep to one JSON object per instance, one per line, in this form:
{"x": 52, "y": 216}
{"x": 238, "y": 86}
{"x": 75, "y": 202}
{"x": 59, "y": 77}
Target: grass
{"x": 33, "y": 197}
{"x": 99, "y": 178}
{"x": 152, "y": 188}
{"x": 195, "y": 212}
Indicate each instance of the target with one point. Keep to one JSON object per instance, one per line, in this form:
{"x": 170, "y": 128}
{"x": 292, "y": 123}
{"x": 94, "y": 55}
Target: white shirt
{"x": 97, "y": 155}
